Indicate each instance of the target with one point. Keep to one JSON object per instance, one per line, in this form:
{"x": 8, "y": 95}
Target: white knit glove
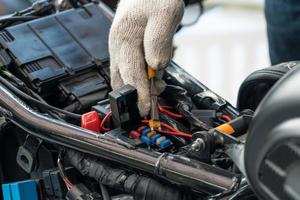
{"x": 142, "y": 31}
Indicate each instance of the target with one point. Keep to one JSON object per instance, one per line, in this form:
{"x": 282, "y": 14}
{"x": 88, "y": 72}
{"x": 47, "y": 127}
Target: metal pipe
{"x": 180, "y": 170}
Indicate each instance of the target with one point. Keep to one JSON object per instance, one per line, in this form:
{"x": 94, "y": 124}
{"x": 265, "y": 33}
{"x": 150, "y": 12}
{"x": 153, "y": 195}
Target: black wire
{"x": 22, "y": 86}
{"x": 61, "y": 169}
{"x": 10, "y": 20}
{"x": 104, "y": 192}
{"x": 29, "y": 98}
{"x": 17, "y": 18}
{"x": 51, "y": 113}
{"x": 192, "y": 119}
{"x": 74, "y": 3}
{"x": 60, "y": 166}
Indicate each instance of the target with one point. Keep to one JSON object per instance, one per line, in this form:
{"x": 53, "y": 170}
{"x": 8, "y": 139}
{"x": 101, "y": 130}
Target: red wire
{"x": 105, "y": 119}
{"x": 166, "y": 107}
{"x": 168, "y": 127}
{"x": 172, "y": 130}
{"x": 68, "y": 183}
{"x": 226, "y": 118}
{"x": 163, "y": 110}
{"x": 176, "y": 133}
{"x": 140, "y": 129}
{"x": 171, "y": 114}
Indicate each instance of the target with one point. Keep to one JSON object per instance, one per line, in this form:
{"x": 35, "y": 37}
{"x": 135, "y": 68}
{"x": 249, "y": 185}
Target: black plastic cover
{"x": 86, "y": 89}
{"x": 258, "y": 83}
{"x": 272, "y": 152}
{"x": 58, "y": 45}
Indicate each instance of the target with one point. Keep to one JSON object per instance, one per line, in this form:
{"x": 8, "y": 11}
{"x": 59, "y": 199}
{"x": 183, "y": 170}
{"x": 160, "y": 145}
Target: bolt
{"x": 198, "y": 145}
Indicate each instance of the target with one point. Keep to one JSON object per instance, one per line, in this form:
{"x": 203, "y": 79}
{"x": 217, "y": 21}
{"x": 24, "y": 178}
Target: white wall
{"x": 226, "y": 45}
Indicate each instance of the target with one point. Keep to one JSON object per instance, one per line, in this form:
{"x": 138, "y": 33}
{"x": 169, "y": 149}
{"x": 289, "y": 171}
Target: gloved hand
{"x": 142, "y": 32}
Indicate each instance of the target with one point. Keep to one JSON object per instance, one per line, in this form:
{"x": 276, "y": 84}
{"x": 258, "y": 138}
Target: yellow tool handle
{"x": 225, "y": 128}
{"x": 151, "y": 72}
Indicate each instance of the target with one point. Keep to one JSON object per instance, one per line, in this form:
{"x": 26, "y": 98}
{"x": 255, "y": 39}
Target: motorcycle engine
{"x": 66, "y": 135}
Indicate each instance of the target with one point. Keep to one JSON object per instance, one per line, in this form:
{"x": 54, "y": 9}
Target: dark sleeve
{"x": 283, "y": 27}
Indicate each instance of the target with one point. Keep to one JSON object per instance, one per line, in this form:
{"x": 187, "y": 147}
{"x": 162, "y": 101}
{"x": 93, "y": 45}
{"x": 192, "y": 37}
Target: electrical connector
{"x": 80, "y": 192}
{"x": 22, "y": 190}
{"x": 146, "y": 131}
{"x": 159, "y": 140}
{"x": 165, "y": 144}
{"x": 146, "y": 140}
{"x": 53, "y": 183}
{"x": 152, "y": 137}
{"x": 155, "y": 137}
{"x": 134, "y": 135}
{"x": 91, "y": 121}
{"x": 150, "y": 134}
{"x": 154, "y": 124}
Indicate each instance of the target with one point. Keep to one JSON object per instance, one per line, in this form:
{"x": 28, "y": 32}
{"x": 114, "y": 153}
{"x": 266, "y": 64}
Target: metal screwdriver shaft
{"x": 154, "y": 122}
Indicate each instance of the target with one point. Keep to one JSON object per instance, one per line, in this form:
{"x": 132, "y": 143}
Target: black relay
{"x": 123, "y": 102}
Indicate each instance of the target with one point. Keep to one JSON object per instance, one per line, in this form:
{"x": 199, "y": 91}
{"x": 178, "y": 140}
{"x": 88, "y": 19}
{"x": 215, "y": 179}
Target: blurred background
{"x": 225, "y": 45}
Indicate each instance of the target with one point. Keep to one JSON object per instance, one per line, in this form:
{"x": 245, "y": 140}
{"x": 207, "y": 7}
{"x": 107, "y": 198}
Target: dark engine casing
{"x": 272, "y": 154}
{"x": 63, "y": 56}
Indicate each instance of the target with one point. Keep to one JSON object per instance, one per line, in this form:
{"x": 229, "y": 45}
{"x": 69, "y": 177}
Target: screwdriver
{"x": 154, "y": 122}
